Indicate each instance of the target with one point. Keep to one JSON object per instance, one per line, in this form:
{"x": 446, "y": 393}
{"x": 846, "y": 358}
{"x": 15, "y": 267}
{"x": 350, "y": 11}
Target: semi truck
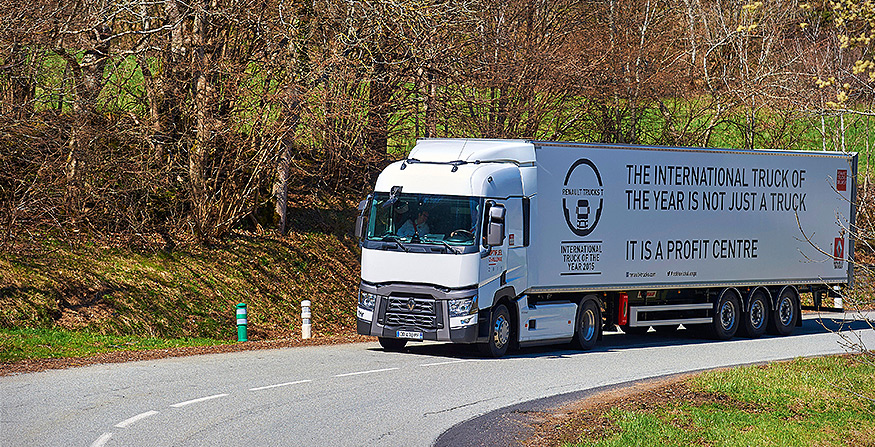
{"x": 515, "y": 243}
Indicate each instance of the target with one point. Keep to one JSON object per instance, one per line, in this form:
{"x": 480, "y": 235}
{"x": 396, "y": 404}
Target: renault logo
{"x": 411, "y": 304}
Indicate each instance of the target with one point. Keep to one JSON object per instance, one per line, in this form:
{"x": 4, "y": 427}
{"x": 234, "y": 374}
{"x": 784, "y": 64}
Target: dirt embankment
{"x": 191, "y": 291}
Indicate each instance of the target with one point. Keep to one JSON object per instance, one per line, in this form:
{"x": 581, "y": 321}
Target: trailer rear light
{"x": 623, "y": 311}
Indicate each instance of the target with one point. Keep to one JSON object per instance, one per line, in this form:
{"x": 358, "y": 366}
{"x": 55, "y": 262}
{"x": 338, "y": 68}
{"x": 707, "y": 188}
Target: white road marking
{"x": 449, "y": 362}
{"x": 194, "y": 401}
{"x": 102, "y": 440}
{"x": 278, "y": 385}
{"x": 136, "y": 418}
{"x": 365, "y": 372}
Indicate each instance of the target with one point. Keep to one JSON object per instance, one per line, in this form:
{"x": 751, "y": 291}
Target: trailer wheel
{"x": 392, "y": 344}
{"x": 589, "y": 325}
{"x": 755, "y": 320}
{"x": 499, "y": 334}
{"x": 784, "y": 316}
{"x": 726, "y": 318}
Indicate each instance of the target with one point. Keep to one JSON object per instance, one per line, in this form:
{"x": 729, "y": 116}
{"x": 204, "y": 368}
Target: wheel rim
{"x": 757, "y": 314}
{"x": 785, "y": 311}
{"x": 501, "y": 331}
{"x": 587, "y": 324}
{"x": 727, "y": 315}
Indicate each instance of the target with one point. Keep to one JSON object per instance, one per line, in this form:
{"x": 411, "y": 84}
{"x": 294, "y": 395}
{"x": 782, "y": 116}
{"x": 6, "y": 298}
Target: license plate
{"x": 409, "y": 334}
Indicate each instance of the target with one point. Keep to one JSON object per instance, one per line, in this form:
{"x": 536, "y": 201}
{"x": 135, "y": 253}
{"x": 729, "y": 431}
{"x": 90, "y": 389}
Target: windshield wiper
{"x": 449, "y": 247}
{"x": 396, "y": 240}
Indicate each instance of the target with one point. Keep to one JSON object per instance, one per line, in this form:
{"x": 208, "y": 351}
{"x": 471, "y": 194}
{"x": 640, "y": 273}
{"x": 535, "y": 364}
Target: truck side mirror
{"x": 360, "y": 219}
{"x": 495, "y": 227}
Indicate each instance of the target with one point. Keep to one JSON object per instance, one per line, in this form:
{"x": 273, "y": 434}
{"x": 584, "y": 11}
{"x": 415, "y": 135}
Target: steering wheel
{"x": 465, "y": 233}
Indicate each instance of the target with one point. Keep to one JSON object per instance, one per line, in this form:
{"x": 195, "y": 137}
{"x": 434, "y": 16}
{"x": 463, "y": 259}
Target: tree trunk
{"x": 430, "y": 112}
{"x": 197, "y": 153}
{"x": 378, "y": 116}
{"x": 281, "y": 186}
{"x": 22, "y": 88}
{"x": 88, "y": 82}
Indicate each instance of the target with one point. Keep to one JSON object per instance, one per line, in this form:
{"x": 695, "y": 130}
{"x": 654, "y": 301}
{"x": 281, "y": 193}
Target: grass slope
{"x": 820, "y": 401}
{"x": 187, "y": 293}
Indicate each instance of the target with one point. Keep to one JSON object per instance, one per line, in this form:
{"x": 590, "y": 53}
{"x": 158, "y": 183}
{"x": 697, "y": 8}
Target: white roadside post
{"x": 305, "y": 319}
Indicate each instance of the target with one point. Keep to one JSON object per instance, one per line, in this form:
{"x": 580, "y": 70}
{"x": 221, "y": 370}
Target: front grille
{"x": 411, "y": 311}
{"x": 411, "y": 305}
{"x": 422, "y": 321}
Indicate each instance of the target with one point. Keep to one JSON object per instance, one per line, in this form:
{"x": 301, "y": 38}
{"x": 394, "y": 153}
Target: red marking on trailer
{"x": 842, "y": 179}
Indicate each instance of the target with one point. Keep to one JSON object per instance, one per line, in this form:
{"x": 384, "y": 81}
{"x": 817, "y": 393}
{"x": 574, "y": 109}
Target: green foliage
{"x": 819, "y": 401}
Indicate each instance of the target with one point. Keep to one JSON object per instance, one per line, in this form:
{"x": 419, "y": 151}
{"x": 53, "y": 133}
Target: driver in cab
{"x": 418, "y": 226}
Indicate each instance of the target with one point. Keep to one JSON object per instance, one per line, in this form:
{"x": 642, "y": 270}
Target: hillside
{"x": 192, "y": 290}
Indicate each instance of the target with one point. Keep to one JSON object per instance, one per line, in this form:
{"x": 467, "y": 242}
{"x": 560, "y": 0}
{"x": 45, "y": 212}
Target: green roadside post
{"x": 241, "y": 322}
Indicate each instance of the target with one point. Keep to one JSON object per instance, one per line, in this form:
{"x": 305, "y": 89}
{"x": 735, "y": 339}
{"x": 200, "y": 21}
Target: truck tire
{"x": 756, "y": 319}
{"x": 392, "y": 344}
{"x": 726, "y": 317}
{"x": 784, "y": 317}
{"x": 499, "y": 334}
{"x": 588, "y": 327}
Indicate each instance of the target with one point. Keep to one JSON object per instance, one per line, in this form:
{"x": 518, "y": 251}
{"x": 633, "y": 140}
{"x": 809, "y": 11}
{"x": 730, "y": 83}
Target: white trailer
{"x": 515, "y": 243}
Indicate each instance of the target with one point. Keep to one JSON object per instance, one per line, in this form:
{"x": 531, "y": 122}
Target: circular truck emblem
{"x": 582, "y": 197}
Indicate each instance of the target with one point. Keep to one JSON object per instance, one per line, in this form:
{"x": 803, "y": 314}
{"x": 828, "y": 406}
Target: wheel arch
{"x": 734, "y": 290}
{"x": 599, "y": 304}
{"x": 506, "y": 296}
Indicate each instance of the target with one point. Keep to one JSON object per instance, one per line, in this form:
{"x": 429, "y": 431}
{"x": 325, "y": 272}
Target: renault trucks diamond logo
{"x": 839, "y": 252}
{"x": 582, "y": 197}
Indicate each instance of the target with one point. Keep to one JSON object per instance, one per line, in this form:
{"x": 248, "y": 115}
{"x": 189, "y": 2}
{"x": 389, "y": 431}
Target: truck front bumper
{"x": 467, "y": 334}
{"x": 414, "y": 311}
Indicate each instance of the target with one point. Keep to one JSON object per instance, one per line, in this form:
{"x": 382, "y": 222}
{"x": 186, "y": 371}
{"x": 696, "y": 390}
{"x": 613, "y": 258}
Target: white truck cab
{"x": 442, "y": 234}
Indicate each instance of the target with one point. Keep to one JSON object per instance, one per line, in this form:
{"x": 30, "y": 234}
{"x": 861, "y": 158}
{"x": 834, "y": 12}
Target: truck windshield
{"x": 425, "y": 219}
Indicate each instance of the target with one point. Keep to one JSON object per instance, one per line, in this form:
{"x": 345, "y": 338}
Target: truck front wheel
{"x": 499, "y": 333}
{"x": 589, "y": 324}
{"x": 392, "y": 344}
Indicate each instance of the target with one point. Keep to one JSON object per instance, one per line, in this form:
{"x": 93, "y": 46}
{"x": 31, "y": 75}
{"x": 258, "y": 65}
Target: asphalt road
{"x": 353, "y": 394}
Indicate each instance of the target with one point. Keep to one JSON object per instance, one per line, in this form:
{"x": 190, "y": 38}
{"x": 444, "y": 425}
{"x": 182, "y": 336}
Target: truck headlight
{"x": 462, "y": 307}
{"x": 367, "y": 300}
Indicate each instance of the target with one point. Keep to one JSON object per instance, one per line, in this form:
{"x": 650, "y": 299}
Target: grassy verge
{"x": 52, "y": 289}
{"x": 185, "y": 293}
{"x": 29, "y": 344}
{"x": 822, "y": 401}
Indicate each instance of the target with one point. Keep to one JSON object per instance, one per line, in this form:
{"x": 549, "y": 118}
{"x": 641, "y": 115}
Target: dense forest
{"x": 171, "y": 121}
